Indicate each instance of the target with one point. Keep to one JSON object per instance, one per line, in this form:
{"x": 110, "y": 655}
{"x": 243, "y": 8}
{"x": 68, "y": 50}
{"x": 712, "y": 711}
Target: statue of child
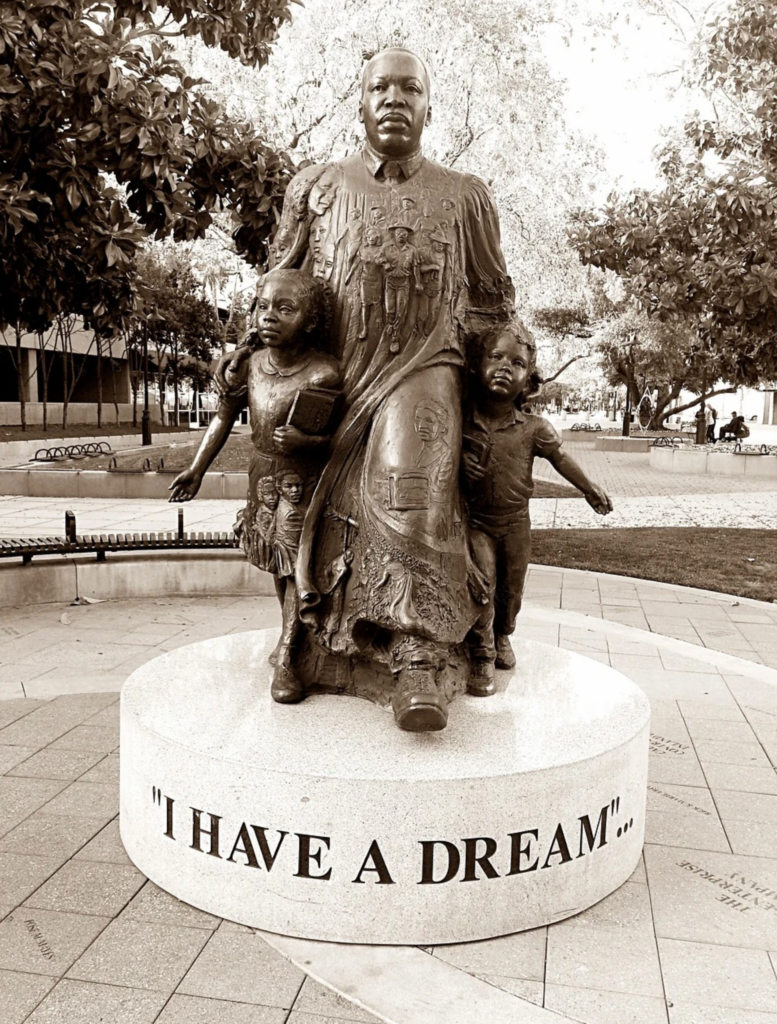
{"x": 499, "y": 447}
{"x": 267, "y": 376}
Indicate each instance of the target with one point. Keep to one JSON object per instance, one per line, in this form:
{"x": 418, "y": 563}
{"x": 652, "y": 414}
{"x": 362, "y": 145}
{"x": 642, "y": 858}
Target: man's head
{"x": 395, "y": 104}
{"x": 430, "y": 419}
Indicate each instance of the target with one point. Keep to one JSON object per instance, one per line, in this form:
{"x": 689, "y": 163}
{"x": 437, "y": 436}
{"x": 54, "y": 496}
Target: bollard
{"x": 180, "y": 524}
{"x": 70, "y": 527}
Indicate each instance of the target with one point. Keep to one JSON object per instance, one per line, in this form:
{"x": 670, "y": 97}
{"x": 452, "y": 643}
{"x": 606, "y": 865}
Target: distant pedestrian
{"x": 710, "y": 418}
{"x": 735, "y": 428}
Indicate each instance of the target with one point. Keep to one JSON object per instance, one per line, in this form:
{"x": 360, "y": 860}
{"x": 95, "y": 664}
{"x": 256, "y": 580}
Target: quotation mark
{"x": 156, "y": 795}
{"x": 614, "y": 808}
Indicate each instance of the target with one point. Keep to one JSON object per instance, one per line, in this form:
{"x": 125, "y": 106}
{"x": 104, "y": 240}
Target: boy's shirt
{"x": 501, "y": 497}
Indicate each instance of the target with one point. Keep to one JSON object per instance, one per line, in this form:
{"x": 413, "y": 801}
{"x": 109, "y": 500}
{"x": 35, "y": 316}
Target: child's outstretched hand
{"x": 185, "y": 486}
{"x": 473, "y": 471}
{"x": 599, "y": 500}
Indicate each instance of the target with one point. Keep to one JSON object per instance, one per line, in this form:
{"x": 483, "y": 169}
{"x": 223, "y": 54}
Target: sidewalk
{"x": 45, "y": 517}
{"x": 689, "y": 939}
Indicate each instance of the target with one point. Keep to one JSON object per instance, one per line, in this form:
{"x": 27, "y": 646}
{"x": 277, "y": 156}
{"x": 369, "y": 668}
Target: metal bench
{"x": 74, "y": 543}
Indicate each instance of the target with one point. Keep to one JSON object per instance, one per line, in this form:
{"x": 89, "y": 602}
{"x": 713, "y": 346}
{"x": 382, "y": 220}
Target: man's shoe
{"x": 504, "y": 653}
{"x": 418, "y": 704}
{"x": 481, "y": 678}
{"x": 286, "y": 688}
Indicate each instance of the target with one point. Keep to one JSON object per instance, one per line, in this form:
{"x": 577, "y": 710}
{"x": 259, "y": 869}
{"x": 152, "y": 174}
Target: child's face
{"x": 505, "y": 367}
{"x": 282, "y": 312}
{"x": 269, "y": 495}
{"x": 291, "y": 488}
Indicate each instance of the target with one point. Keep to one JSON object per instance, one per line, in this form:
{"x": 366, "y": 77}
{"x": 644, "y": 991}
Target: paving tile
{"x": 731, "y": 752}
{"x": 715, "y": 898}
{"x": 318, "y": 999}
{"x": 106, "y": 716}
{"x": 717, "y": 975}
{"x": 43, "y": 725}
{"x": 243, "y": 967}
{"x": 195, "y": 1010}
{"x": 760, "y": 807}
{"x": 155, "y": 905}
{"x": 751, "y": 838}
{"x": 688, "y": 1013}
{"x": 712, "y": 709}
{"x": 82, "y": 1002}
{"x": 19, "y": 994}
{"x": 598, "y": 1007}
{"x": 22, "y": 873}
{"x": 51, "y": 763}
{"x": 105, "y": 846}
{"x": 314, "y": 1018}
{"x": 87, "y": 799}
{"x": 105, "y": 770}
{"x": 627, "y": 908}
{"x": 581, "y": 956}
{"x": 719, "y": 729}
{"x": 137, "y": 954}
{"x": 13, "y": 710}
{"x": 11, "y": 756}
{"x": 20, "y": 797}
{"x": 46, "y": 941}
{"x": 741, "y": 778}
{"x": 53, "y": 836}
{"x": 88, "y": 887}
{"x": 531, "y": 991}
{"x": 513, "y": 956}
{"x": 99, "y": 738}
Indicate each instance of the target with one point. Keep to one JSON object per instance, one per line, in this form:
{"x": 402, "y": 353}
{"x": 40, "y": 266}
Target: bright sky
{"x": 620, "y": 92}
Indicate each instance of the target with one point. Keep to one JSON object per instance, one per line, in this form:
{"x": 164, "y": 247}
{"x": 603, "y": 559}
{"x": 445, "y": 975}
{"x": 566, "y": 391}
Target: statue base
{"x": 323, "y": 820}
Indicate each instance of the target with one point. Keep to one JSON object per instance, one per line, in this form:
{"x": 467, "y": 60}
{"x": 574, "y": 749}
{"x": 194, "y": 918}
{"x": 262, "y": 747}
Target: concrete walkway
{"x": 690, "y": 939}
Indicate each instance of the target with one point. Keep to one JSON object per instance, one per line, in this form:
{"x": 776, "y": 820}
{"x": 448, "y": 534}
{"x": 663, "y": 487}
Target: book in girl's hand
{"x": 312, "y": 410}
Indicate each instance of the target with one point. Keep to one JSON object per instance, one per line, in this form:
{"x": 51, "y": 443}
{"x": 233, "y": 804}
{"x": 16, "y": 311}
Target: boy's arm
{"x": 566, "y": 466}
{"x": 186, "y": 484}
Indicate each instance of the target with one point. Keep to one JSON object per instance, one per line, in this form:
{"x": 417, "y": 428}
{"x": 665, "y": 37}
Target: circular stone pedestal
{"x": 323, "y": 820}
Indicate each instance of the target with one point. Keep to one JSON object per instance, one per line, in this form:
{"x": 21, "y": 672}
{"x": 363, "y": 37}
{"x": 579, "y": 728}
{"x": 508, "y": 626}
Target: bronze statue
{"x": 396, "y": 601}
{"x": 500, "y": 444}
{"x": 275, "y": 381}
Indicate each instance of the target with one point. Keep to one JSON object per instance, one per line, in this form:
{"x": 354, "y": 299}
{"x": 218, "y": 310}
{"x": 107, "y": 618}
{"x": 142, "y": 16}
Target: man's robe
{"x": 398, "y": 519}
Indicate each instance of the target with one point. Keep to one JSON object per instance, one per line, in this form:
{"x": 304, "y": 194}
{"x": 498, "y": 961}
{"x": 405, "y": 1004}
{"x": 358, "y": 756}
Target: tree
{"x": 702, "y": 250}
{"x": 105, "y": 138}
{"x": 184, "y": 331}
{"x": 663, "y": 359}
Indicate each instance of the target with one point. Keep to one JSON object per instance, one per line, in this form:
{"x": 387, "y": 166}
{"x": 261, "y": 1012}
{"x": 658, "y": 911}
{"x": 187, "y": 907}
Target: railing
{"x": 74, "y": 543}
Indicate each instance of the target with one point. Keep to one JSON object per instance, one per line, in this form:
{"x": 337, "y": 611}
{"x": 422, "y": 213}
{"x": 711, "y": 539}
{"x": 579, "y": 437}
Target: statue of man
{"x": 387, "y": 587}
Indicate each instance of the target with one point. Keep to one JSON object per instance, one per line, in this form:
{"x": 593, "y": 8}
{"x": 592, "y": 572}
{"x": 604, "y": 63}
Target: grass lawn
{"x": 742, "y": 562}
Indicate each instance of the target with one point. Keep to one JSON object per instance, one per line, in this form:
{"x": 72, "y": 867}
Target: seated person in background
{"x": 500, "y": 444}
{"x": 281, "y": 363}
{"x": 734, "y": 429}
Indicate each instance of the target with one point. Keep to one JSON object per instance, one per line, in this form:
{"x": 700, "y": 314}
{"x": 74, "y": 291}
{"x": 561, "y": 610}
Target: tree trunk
{"x": 43, "y": 369}
{"x": 20, "y": 377}
{"x": 113, "y": 381}
{"x": 65, "y": 387}
{"x": 710, "y": 394}
{"x": 176, "y": 390}
{"x": 662, "y": 411}
{"x": 99, "y": 381}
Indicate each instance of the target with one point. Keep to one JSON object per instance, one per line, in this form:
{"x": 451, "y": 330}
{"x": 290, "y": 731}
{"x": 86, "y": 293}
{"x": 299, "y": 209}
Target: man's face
{"x": 394, "y": 104}
{"x": 401, "y": 237}
{"x": 426, "y": 425}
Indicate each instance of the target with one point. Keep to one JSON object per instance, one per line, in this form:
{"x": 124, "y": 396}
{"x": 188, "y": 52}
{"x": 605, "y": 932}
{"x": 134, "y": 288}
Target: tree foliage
{"x": 105, "y": 138}
{"x": 497, "y": 110}
{"x": 702, "y": 249}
